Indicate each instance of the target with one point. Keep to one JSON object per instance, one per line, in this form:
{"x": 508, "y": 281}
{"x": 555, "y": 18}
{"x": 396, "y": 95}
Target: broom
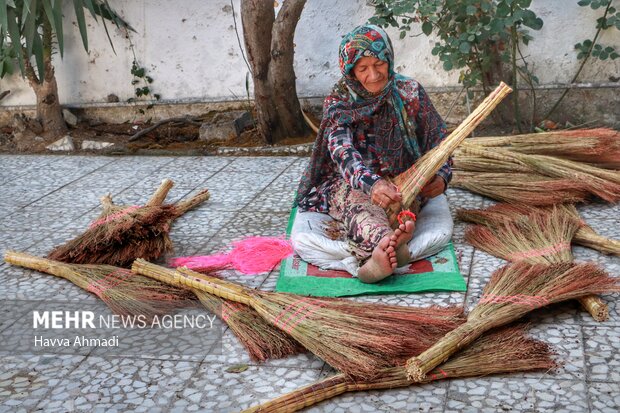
{"x": 513, "y": 291}
{"x": 124, "y": 292}
{"x": 121, "y": 233}
{"x": 542, "y": 236}
{"x": 530, "y": 189}
{"x": 356, "y": 338}
{"x": 600, "y": 146}
{"x": 507, "y": 350}
{"x": 602, "y": 183}
{"x": 497, "y": 214}
{"x": 413, "y": 180}
{"x": 262, "y": 340}
{"x": 503, "y": 220}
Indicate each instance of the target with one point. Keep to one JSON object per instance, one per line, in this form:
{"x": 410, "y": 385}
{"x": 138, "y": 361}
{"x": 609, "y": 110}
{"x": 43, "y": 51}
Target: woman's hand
{"x": 385, "y": 193}
{"x": 434, "y": 188}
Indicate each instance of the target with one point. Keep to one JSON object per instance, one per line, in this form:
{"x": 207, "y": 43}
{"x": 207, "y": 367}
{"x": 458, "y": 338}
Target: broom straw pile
{"x": 521, "y": 188}
{"x": 356, "y": 338}
{"x": 599, "y": 146}
{"x": 124, "y": 292}
{"x": 513, "y": 291}
{"x": 507, "y": 350}
{"x": 413, "y": 180}
{"x": 602, "y": 183}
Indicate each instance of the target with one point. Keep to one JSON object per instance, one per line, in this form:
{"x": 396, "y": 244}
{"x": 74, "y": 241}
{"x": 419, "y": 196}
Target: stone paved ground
{"x": 46, "y": 200}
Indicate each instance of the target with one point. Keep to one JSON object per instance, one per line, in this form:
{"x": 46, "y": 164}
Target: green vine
{"x": 141, "y": 81}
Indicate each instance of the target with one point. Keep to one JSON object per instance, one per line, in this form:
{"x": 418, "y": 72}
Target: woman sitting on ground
{"x": 375, "y": 125}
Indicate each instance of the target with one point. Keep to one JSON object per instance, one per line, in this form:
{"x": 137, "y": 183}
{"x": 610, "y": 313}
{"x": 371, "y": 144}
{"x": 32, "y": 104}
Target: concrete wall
{"x": 190, "y": 49}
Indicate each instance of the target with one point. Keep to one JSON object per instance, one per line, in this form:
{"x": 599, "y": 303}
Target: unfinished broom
{"x": 507, "y": 350}
{"x": 262, "y": 340}
{"x": 535, "y": 235}
{"x": 413, "y": 180}
{"x": 356, "y": 338}
{"x": 513, "y": 291}
{"x": 122, "y": 233}
{"x": 600, "y": 146}
{"x": 124, "y": 292}
{"x": 531, "y": 189}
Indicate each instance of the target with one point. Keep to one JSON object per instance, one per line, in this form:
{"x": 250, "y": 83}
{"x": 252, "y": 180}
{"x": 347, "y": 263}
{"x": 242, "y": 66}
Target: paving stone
{"x": 507, "y": 394}
{"x": 604, "y": 397}
{"x": 212, "y": 388}
{"x": 26, "y": 380}
{"x": 602, "y": 352}
{"x": 106, "y": 384}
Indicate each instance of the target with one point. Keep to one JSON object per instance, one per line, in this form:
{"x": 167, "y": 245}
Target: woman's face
{"x": 372, "y": 73}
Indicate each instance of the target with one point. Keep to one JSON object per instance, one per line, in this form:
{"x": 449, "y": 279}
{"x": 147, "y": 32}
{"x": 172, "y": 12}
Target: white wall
{"x": 190, "y": 49}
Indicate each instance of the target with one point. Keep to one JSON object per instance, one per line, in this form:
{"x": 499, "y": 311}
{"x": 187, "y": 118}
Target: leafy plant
{"x": 141, "y": 81}
{"x": 33, "y": 30}
{"x": 473, "y": 34}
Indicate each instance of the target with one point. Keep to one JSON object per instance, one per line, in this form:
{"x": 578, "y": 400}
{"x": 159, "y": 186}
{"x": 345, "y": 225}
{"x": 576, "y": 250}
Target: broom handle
{"x": 184, "y": 206}
{"x": 156, "y": 272}
{"x": 427, "y": 166}
{"x": 220, "y": 289}
{"x": 183, "y": 277}
{"x": 587, "y": 237}
{"x": 597, "y": 308}
{"x": 159, "y": 196}
{"x": 417, "y": 367}
{"x": 45, "y": 265}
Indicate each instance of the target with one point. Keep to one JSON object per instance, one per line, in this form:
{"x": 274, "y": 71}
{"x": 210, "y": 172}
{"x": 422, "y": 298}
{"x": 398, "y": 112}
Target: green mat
{"x": 437, "y": 273}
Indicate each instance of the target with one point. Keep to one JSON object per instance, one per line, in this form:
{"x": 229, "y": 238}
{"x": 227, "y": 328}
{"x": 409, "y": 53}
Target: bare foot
{"x": 399, "y": 241}
{"x": 381, "y": 264}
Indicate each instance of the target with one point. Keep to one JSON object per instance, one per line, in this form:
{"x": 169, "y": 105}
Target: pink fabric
{"x": 252, "y": 255}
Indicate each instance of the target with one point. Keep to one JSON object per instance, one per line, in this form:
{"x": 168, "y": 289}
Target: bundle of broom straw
{"x": 599, "y": 146}
{"x": 507, "y": 350}
{"x": 357, "y": 339}
{"x": 500, "y": 213}
{"x": 413, "y": 180}
{"x": 602, "y": 183}
{"x": 124, "y": 292}
{"x": 513, "y": 291}
{"x": 540, "y": 236}
{"x": 521, "y": 188}
{"x": 121, "y": 233}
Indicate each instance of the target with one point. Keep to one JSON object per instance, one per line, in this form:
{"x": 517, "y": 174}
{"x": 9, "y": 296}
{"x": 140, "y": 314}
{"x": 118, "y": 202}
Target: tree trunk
{"x": 49, "y": 111}
{"x": 270, "y": 49}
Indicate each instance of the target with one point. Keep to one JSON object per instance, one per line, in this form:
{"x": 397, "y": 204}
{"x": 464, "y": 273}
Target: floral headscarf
{"x": 351, "y": 105}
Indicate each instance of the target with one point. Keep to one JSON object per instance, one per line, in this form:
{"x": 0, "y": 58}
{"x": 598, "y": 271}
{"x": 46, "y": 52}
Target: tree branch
{"x": 257, "y": 17}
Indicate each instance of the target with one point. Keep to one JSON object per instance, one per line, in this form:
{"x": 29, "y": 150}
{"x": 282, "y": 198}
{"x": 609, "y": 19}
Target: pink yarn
{"x": 250, "y": 255}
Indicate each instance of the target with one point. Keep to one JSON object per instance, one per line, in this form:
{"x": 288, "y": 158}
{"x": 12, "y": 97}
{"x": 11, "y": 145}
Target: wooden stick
{"x": 159, "y": 196}
{"x": 143, "y": 132}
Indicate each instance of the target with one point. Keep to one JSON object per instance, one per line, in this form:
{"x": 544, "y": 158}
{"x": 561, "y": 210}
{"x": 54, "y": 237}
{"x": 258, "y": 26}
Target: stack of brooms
{"x": 537, "y": 241}
{"x": 122, "y": 234}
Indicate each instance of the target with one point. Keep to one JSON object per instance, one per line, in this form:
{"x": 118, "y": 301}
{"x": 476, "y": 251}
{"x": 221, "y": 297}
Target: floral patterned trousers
{"x": 365, "y": 224}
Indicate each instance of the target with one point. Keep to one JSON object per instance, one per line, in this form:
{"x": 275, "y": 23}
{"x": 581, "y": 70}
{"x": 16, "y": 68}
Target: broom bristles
{"x": 355, "y": 338}
{"x": 260, "y": 339}
{"x": 506, "y": 350}
{"x": 541, "y": 237}
{"x": 513, "y": 291}
{"x": 518, "y": 188}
